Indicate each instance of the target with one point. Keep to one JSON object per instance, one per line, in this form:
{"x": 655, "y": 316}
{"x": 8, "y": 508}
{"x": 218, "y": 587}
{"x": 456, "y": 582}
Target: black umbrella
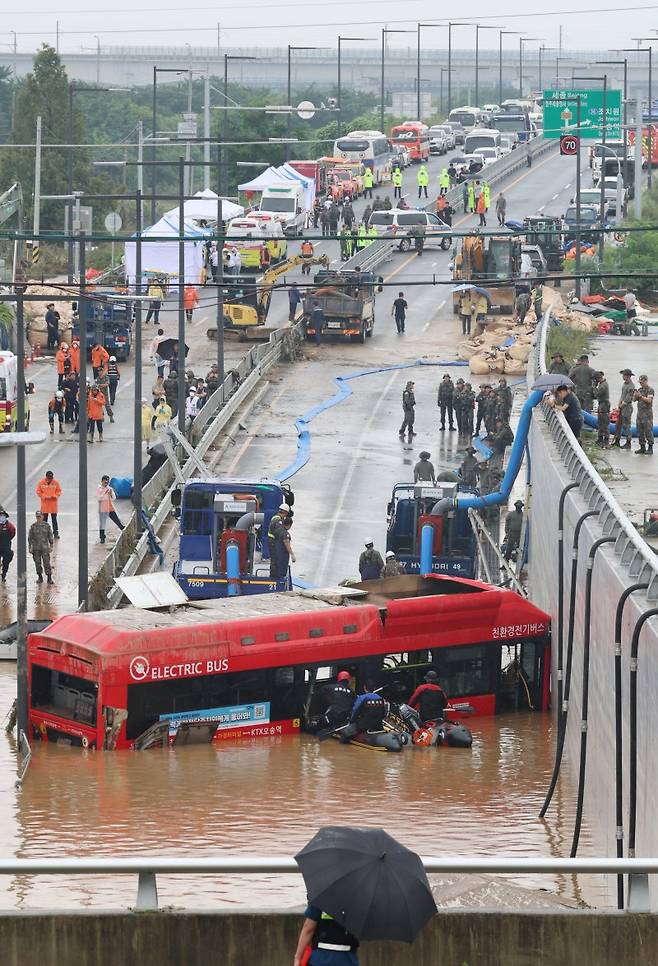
{"x": 551, "y": 380}
{"x": 166, "y": 348}
{"x": 370, "y": 884}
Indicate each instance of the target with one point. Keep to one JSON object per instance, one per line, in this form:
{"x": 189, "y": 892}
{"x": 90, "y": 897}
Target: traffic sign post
{"x": 569, "y": 144}
{"x": 594, "y": 106}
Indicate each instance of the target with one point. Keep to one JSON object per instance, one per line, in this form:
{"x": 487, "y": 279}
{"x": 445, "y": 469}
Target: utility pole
{"x": 206, "y": 131}
{"x": 137, "y": 423}
{"x": 83, "y": 482}
{"x": 36, "y": 215}
{"x": 21, "y": 524}
{"x": 638, "y": 156}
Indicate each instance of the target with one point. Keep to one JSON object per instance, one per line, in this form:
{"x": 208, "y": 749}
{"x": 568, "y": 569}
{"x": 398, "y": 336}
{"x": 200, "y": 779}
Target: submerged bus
{"x": 238, "y": 668}
{"x": 414, "y": 136}
{"x": 369, "y": 147}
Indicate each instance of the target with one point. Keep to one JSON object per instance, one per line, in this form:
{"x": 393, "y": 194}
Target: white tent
{"x": 203, "y": 207}
{"x": 309, "y": 183}
{"x": 270, "y": 177}
{"x": 161, "y": 256}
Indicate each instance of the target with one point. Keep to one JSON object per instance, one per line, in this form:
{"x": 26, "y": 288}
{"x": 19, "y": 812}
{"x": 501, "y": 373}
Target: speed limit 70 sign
{"x": 569, "y": 144}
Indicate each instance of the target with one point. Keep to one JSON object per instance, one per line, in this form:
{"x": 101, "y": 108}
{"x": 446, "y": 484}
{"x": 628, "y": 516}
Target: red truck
{"x": 316, "y": 170}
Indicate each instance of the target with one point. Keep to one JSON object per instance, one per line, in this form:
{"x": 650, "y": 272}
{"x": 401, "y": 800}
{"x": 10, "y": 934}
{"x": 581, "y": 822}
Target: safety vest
{"x": 397, "y": 178}
{"x": 372, "y": 233}
{"x": 486, "y": 191}
{"x": 361, "y": 241}
{"x": 274, "y": 523}
{"x": 330, "y": 935}
{"x": 307, "y": 248}
{"x": 422, "y": 177}
{"x": 444, "y": 179}
{"x": 471, "y": 196}
{"x": 368, "y": 178}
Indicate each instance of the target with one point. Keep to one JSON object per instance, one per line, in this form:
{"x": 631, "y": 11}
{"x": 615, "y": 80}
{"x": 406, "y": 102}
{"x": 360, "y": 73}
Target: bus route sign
{"x": 561, "y": 109}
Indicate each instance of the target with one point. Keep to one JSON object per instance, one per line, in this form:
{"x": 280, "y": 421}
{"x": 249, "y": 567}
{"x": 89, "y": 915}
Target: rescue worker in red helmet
{"x": 429, "y": 699}
{"x": 341, "y": 699}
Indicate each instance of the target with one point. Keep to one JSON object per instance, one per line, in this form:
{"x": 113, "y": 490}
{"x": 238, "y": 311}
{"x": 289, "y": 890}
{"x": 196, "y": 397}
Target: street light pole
{"x": 339, "y": 117}
{"x": 137, "y": 421}
{"x": 522, "y": 41}
{"x": 649, "y": 50}
{"x": 501, "y": 34}
{"x": 623, "y": 62}
{"x": 21, "y": 524}
{"x": 223, "y": 149}
{"x": 604, "y": 124}
{"x": 478, "y": 28}
{"x": 83, "y": 482}
{"x": 385, "y": 32}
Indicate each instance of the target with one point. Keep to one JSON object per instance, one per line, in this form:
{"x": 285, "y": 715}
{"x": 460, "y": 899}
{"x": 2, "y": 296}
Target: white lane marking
{"x": 347, "y": 482}
{"x": 567, "y": 186}
{"x": 555, "y": 196}
{"x": 542, "y": 208}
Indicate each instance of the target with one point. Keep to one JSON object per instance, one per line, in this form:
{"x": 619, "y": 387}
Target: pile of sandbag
{"x": 494, "y": 352}
{"x": 35, "y": 315}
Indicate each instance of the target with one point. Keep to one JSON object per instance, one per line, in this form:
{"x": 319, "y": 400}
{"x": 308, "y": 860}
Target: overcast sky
{"x": 266, "y": 24}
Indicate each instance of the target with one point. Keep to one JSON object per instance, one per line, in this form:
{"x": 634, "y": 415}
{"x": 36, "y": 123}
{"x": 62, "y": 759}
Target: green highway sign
{"x": 561, "y": 107}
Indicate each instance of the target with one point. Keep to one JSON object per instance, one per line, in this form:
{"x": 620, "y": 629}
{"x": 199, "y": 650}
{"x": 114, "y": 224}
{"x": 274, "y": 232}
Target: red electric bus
{"x": 414, "y": 136}
{"x": 255, "y": 667}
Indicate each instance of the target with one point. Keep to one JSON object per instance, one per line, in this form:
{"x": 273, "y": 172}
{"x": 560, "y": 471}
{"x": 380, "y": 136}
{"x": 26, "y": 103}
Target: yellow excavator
{"x": 492, "y": 262}
{"x": 246, "y": 300}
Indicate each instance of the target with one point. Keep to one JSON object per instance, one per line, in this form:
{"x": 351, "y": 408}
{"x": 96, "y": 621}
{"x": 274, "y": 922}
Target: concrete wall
{"x": 455, "y": 938}
{"x": 549, "y": 476}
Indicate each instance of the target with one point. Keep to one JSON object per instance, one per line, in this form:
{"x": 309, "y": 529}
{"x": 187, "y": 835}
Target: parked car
{"x": 399, "y": 222}
{"x": 458, "y": 130}
{"x": 450, "y": 136}
{"x": 508, "y": 143}
{"x": 589, "y": 223}
{"x": 438, "y": 140}
{"x": 473, "y": 163}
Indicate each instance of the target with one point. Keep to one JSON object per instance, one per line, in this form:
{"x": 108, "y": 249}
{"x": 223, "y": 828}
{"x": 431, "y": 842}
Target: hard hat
{"x": 113, "y": 358}
{"x": 370, "y": 543}
{"x": 343, "y": 676}
{"x": 389, "y": 553}
{"x": 284, "y": 506}
{"x": 59, "y": 394}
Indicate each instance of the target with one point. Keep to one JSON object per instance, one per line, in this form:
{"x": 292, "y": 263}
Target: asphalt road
{"x": 356, "y": 453}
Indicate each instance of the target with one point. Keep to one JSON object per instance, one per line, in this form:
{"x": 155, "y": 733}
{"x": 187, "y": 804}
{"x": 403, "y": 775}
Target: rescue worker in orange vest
{"x": 429, "y": 699}
{"x": 95, "y": 407}
{"x": 75, "y": 357}
{"x": 307, "y": 255}
{"x": 63, "y": 363}
{"x": 99, "y": 357}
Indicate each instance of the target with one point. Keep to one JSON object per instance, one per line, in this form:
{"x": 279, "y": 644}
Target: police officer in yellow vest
{"x": 486, "y": 191}
{"x": 423, "y": 180}
{"x": 444, "y": 181}
{"x": 372, "y": 234}
{"x": 362, "y": 237}
{"x": 397, "y": 182}
{"x": 368, "y": 182}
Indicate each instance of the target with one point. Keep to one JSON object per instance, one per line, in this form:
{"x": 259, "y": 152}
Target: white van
{"x": 287, "y": 204}
{"x": 252, "y": 234}
{"x": 482, "y": 137}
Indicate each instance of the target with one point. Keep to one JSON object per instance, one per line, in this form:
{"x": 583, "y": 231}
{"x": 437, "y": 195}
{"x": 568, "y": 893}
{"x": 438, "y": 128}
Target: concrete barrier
{"x": 556, "y": 462}
{"x": 453, "y": 938}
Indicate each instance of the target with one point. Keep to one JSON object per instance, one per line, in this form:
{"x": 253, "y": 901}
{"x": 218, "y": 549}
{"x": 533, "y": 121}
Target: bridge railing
{"x": 635, "y": 555}
{"x": 148, "y": 868}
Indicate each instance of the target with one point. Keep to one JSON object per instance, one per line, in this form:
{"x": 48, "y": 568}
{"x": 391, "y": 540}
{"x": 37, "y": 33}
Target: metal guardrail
{"x": 124, "y": 558}
{"x": 635, "y": 556}
{"x": 148, "y": 868}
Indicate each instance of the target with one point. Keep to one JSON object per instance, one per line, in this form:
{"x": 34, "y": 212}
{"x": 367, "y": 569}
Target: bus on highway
{"x": 468, "y": 117}
{"x": 370, "y": 147}
{"x": 255, "y": 668}
{"x": 518, "y": 124}
{"x": 414, "y": 136}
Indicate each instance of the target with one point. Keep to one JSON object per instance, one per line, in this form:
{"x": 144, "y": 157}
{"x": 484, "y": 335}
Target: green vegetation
{"x": 640, "y": 251}
{"x": 570, "y": 342}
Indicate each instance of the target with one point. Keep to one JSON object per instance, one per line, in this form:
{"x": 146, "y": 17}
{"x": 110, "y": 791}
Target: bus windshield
{"x": 465, "y": 118}
{"x": 511, "y": 122}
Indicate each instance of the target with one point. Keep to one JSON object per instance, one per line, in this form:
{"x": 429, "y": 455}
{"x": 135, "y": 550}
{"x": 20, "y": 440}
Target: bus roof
{"x": 383, "y": 613}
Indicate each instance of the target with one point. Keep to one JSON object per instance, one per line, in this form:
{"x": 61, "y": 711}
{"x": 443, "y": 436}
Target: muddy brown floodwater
{"x": 268, "y": 798}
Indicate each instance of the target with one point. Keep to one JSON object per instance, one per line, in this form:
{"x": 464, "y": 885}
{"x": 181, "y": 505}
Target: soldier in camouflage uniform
{"x": 469, "y": 409}
{"x": 39, "y": 542}
{"x": 444, "y": 400}
{"x": 644, "y": 422}
{"x": 458, "y": 405}
{"x": 481, "y": 400}
{"x": 583, "y": 378}
{"x": 490, "y": 412}
{"x": 503, "y": 400}
{"x": 558, "y": 365}
{"x": 626, "y": 399}
{"x": 469, "y": 468}
{"x": 602, "y": 395}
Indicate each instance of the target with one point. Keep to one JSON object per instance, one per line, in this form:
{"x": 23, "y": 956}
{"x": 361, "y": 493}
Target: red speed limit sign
{"x": 569, "y": 144}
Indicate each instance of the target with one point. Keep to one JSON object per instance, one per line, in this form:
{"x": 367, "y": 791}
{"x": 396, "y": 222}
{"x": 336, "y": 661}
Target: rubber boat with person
{"x": 426, "y": 734}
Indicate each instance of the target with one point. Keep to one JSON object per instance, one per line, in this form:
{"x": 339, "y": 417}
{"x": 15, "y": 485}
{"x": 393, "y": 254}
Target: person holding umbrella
{"x": 364, "y": 882}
